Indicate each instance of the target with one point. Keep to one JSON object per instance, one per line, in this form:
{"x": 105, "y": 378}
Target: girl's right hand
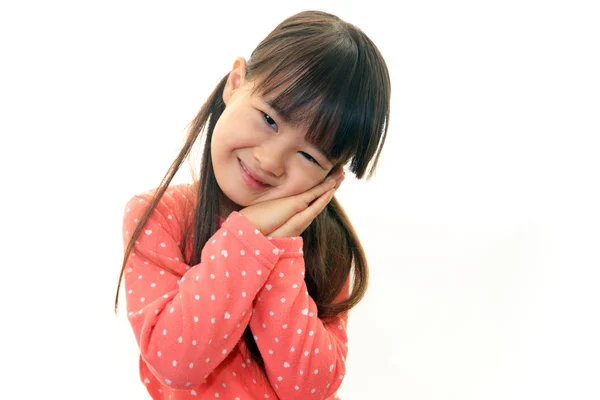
{"x": 295, "y": 212}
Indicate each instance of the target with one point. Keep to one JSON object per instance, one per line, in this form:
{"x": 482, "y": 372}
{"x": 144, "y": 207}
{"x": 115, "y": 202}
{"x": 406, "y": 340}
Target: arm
{"x": 185, "y": 328}
{"x": 304, "y": 357}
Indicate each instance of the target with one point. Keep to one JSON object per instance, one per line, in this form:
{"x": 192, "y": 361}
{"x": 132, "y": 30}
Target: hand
{"x": 290, "y": 216}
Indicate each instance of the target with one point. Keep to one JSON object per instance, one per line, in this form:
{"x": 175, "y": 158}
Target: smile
{"x": 249, "y": 179}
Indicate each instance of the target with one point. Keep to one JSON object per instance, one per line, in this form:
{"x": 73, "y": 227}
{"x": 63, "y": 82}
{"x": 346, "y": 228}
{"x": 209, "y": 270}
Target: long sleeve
{"x": 304, "y": 357}
{"x": 185, "y": 328}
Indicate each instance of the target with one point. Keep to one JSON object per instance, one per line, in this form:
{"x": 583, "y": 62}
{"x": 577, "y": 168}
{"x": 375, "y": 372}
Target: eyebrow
{"x": 283, "y": 114}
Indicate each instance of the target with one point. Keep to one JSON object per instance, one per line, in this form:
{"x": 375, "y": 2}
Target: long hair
{"x": 336, "y": 84}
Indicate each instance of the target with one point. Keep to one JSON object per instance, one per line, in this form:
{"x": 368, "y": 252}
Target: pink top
{"x": 189, "y": 330}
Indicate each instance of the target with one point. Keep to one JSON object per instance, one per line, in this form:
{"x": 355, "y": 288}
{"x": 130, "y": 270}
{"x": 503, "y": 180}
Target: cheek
{"x": 304, "y": 180}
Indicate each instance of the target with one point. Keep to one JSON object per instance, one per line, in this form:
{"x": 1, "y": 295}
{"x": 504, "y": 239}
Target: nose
{"x": 270, "y": 156}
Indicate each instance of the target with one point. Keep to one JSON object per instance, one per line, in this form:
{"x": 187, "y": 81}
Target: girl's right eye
{"x": 270, "y": 121}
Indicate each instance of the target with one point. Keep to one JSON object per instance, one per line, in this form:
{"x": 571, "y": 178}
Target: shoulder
{"x": 176, "y": 199}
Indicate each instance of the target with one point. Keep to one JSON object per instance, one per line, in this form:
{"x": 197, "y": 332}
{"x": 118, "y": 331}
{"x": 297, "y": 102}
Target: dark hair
{"x": 332, "y": 73}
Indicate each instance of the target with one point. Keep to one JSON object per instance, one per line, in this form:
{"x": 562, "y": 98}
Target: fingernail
{"x": 329, "y": 180}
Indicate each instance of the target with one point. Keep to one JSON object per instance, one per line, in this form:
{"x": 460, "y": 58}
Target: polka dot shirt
{"x": 189, "y": 329}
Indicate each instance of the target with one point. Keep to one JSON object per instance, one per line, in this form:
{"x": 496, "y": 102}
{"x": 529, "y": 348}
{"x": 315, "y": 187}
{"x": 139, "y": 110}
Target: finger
{"x": 339, "y": 181}
{"x": 310, "y": 195}
{"x": 336, "y": 172}
{"x": 299, "y": 222}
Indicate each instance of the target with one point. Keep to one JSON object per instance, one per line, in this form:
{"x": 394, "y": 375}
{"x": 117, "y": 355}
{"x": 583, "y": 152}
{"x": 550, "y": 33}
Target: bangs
{"x": 327, "y": 87}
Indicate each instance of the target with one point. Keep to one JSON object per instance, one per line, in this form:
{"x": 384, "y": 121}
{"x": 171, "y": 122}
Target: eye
{"x": 310, "y": 158}
{"x": 269, "y": 120}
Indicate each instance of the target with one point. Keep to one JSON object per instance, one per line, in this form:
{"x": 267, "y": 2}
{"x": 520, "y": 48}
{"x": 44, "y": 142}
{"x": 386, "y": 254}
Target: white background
{"x": 482, "y": 225}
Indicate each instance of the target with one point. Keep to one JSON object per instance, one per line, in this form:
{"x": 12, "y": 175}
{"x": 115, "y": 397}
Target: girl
{"x": 238, "y": 285}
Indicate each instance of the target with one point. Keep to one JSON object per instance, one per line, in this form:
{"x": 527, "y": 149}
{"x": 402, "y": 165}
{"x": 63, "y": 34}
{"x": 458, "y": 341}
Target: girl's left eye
{"x": 269, "y": 120}
{"x": 310, "y": 158}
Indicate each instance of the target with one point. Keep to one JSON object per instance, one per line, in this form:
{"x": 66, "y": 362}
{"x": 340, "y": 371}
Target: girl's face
{"x": 256, "y": 156}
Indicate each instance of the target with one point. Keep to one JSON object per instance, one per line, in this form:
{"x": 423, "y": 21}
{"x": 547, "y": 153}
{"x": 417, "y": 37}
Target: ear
{"x": 237, "y": 77}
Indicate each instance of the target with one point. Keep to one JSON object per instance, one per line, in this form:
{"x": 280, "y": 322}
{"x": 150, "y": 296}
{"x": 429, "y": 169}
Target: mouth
{"x": 250, "y": 179}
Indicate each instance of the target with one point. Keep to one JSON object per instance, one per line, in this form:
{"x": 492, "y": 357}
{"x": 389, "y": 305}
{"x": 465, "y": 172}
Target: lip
{"x": 249, "y": 179}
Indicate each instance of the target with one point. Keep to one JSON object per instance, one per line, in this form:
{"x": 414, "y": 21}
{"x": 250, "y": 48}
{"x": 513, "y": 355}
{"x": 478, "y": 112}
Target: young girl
{"x": 238, "y": 285}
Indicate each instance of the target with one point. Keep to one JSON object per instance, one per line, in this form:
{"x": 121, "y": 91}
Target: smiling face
{"x": 256, "y": 156}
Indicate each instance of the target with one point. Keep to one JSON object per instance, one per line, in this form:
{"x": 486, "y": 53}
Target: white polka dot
{"x": 311, "y": 333}
{"x": 159, "y": 353}
{"x": 299, "y": 331}
{"x": 180, "y": 339}
{"x": 174, "y": 363}
{"x": 286, "y": 365}
{"x": 242, "y": 252}
{"x": 270, "y": 351}
{"x": 306, "y": 353}
{"x": 243, "y": 294}
{"x": 164, "y": 331}
{"x": 142, "y": 299}
{"x": 317, "y": 350}
{"x": 194, "y": 342}
{"x": 207, "y": 359}
{"x": 243, "y": 273}
{"x": 163, "y": 245}
{"x": 195, "y": 319}
{"x": 283, "y": 299}
{"x": 212, "y": 297}
{"x": 313, "y": 391}
{"x": 257, "y": 252}
{"x": 259, "y": 272}
{"x": 212, "y": 276}
{"x": 296, "y": 387}
{"x": 212, "y": 320}
{"x": 316, "y": 371}
{"x": 153, "y": 284}
{"x": 294, "y": 286}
